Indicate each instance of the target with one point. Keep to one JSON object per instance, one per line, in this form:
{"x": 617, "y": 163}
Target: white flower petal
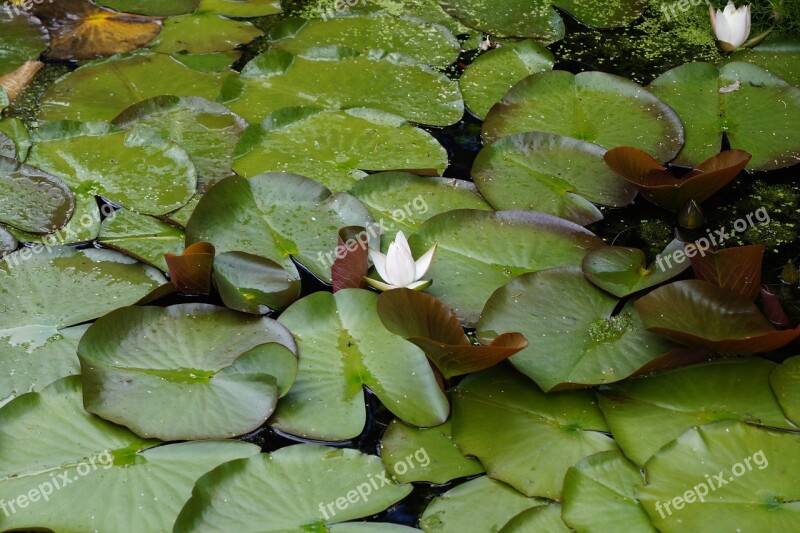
{"x": 400, "y": 266}
{"x": 379, "y": 260}
{"x": 424, "y": 262}
{"x": 730, "y": 9}
{"x": 723, "y": 30}
{"x": 731, "y": 26}
{"x": 400, "y": 240}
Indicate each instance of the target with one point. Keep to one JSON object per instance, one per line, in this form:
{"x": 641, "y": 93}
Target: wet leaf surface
{"x": 591, "y": 106}
{"x": 101, "y": 90}
{"x": 109, "y": 467}
{"x": 342, "y": 347}
{"x": 336, "y": 77}
{"x": 757, "y": 117}
{"x": 211, "y": 374}
{"x": 337, "y": 148}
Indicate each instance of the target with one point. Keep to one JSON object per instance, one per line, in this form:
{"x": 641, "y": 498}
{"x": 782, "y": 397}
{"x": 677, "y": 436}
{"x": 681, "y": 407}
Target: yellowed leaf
{"x": 81, "y": 30}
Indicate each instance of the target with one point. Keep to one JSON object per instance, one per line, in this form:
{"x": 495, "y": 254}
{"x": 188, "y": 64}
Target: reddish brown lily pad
{"x": 659, "y": 186}
{"x": 431, "y": 325}
{"x": 191, "y": 271}
{"x": 700, "y": 314}
{"x": 737, "y": 269}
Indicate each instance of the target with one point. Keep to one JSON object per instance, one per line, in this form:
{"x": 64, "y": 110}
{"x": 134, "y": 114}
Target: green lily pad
{"x": 784, "y": 380}
{"x": 144, "y": 173}
{"x": 278, "y": 217}
{"x": 8, "y": 243}
{"x": 780, "y": 56}
{"x": 755, "y": 109}
{"x": 84, "y": 226}
{"x": 33, "y": 310}
{"x": 33, "y": 200}
{"x": 509, "y": 18}
{"x": 343, "y": 346}
{"x": 202, "y": 33}
{"x": 542, "y": 518}
{"x": 14, "y": 130}
{"x": 598, "y": 14}
{"x": 492, "y": 74}
{"x": 698, "y": 313}
{"x": 241, "y": 8}
{"x": 95, "y": 475}
{"x": 593, "y": 107}
{"x": 207, "y": 131}
{"x": 159, "y": 8}
{"x": 253, "y": 284}
{"x": 198, "y": 372}
{"x": 480, "y": 251}
{"x": 752, "y": 462}
{"x": 700, "y": 113}
{"x": 181, "y": 216}
{"x": 8, "y": 150}
{"x": 624, "y": 271}
{"x": 337, "y": 148}
{"x": 574, "y": 337}
{"x": 44, "y": 291}
{"x": 211, "y": 62}
{"x": 413, "y": 454}
{"x": 336, "y": 77}
{"x": 262, "y": 493}
{"x": 537, "y": 19}
{"x": 431, "y": 12}
{"x": 22, "y": 38}
{"x": 600, "y": 494}
{"x": 142, "y": 237}
{"x": 25, "y": 370}
{"x": 521, "y": 435}
{"x": 551, "y": 174}
{"x": 482, "y": 504}
{"x": 646, "y": 413}
{"x": 101, "y": 90}
{"x": 402, "y": 202}
{"x": 426, "y": 42}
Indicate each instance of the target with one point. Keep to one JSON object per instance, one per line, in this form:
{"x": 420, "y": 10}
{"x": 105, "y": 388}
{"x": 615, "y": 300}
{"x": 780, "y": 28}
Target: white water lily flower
{"x": 398, "y": 269}
{"x": 731, "y": 26}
